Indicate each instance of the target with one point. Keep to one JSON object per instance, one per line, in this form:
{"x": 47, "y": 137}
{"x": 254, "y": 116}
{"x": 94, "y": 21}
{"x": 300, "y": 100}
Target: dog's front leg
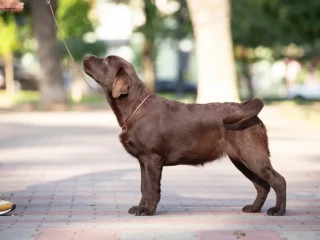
{"x": 138, "y": 209}
{"x": 153, "y": 169}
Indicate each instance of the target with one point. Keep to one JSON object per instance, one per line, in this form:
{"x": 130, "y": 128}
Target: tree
{"x": 182, "y": 31}
{"x": 9, "y": 39}
{"x": 155, "y": 29}
{"x": 73, "y": 19}
{"x": 152, "y": 30}
{"x": 149, "y": 49}
{"x": 274, "y": 25}
{"x": 250, "y": 28}
{"x": 51, "y": 81}
{"x": 9, "y": 44}
{"x": 74, "y": 22}
{"x": 215, "y": 62}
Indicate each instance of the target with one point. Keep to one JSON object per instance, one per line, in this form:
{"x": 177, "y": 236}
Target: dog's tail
{"x": 246, "y": 110}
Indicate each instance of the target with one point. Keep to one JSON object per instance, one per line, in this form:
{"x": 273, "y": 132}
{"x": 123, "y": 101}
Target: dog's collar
{"x": 125, "y": 123}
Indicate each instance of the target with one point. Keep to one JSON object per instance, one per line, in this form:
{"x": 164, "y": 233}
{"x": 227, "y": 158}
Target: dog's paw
{"x": 145, "y": 211}
{"x": 250, "y": 209}
{"x": 275, "y": 211}
{"x": 133, "y": 210}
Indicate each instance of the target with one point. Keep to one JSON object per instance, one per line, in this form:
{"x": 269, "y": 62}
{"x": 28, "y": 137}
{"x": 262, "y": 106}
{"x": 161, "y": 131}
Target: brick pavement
{"x": 71, "y": 179}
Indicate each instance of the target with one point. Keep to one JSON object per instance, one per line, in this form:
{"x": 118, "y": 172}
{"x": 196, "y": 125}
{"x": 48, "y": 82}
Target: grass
{"x": 298, "y": 102}
{"x": 187, "y": 98}
{"x": 299, "y": 108}
{"x": 25, "y": 97}
{"x": 88, "y": 99}
{"x": 18, "y": 97}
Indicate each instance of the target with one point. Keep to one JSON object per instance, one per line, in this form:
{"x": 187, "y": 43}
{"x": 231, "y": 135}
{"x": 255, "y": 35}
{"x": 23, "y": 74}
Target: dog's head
{"x": 114, "y": 74}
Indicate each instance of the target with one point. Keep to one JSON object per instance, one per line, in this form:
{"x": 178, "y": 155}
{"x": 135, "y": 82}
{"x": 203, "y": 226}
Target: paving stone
{"x": 71, "y": 179}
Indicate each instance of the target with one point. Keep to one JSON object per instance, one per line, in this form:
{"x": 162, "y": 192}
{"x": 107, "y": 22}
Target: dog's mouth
{"x": 87, "y": 68}
{"x": 89, "y": 73}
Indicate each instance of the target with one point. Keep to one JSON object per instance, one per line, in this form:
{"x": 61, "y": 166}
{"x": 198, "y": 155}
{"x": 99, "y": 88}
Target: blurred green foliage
{"x": 73, "y": 18}
{"x": 8, "y": 33}
{"x": 176, "y": 25}
{"x": 14, "y": 29}
{"x": 276, "y": 24}
{"x": 274, "y": 30}
{"x": 25, "y": 97}
{"x": 19, "y": 97}
{"x": 261, "y": 29}
{"x": 78, "y": 48}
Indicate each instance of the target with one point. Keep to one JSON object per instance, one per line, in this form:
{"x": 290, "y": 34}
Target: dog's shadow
{"x": 108, "y": 194}
{"x": 113, "y": 192}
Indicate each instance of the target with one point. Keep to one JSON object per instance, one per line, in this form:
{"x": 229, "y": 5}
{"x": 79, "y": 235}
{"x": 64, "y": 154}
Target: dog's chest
{"x": 131, "y": 146}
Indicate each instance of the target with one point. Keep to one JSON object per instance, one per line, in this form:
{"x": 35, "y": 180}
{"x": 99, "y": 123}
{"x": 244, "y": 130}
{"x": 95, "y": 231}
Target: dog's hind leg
{"x": 260, "y": 164}
{"x": 278, "y": 183}
{"x": 261, "y": 186}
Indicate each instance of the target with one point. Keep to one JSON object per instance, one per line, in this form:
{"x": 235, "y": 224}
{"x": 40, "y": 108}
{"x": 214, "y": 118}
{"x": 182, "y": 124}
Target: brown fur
{"x": 166, "y": 133}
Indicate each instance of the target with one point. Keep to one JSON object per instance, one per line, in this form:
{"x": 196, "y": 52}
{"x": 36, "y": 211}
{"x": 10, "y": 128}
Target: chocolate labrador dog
{"x": 160, "y": 132}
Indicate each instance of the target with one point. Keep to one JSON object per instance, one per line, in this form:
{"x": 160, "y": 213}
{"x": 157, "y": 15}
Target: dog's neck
{"x": 123, "y": 107}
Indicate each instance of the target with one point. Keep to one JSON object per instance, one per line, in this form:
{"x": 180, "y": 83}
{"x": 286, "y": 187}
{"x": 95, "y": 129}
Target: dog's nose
{"x": 87, "y": 56}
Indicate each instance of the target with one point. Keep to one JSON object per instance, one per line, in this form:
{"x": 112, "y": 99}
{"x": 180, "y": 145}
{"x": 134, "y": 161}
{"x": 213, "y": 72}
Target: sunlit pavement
{"x": 71, "y": 179}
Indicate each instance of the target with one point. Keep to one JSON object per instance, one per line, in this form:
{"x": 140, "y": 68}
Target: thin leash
{"x": 125, "y": 123}
{"x": 65, "y": 44}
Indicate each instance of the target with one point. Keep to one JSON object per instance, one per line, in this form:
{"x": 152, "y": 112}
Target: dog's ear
{"x": 121, "y": 83}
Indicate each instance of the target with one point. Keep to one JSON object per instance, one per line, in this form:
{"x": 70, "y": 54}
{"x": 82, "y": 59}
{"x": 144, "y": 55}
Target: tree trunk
{"x": 9, "y": 73}
{"x": 246, "y": 72}
{"x": 183, "y": 65}
{"x": 52, "y": 91}
{"x": 248, "y": 78}
{"x": 148, "y": 65}
{"x": 215, "y": 60}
